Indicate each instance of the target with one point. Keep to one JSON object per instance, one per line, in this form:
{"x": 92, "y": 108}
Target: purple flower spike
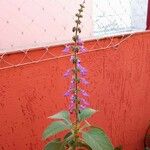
{"x": 84, "y": 93}
{"x": 67, "y": 73}
{"x": 68, "y": 93}
{"x": 83, "y": 71}
{"x": 66, "y": 49}
{"x": 84, "y": 81}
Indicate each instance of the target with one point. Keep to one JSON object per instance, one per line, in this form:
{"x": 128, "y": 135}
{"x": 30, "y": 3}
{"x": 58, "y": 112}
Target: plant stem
{"x": 76, "y": 80}
{"x": 76, "y": 95}
{"x": 77, "y": 101}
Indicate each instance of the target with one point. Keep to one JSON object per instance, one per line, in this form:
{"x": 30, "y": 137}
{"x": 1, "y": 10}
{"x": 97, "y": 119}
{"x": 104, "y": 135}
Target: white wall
{"x": 35, "y": 23}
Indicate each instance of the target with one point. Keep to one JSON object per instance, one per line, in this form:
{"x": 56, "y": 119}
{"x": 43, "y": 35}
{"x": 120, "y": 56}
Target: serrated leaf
{"x": 54, "y": 128}
{"x": 86, "y": 113}
{"x": 55, "y": 145}
{"x": 97, "y": 139}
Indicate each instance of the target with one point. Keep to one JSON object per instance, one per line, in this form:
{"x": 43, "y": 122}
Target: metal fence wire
{"x": 39, "y": 23}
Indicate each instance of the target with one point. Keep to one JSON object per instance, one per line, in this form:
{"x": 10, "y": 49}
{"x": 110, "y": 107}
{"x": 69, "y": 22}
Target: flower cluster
{"x": 80, "y": 47}
{"x": 77, "y": 74}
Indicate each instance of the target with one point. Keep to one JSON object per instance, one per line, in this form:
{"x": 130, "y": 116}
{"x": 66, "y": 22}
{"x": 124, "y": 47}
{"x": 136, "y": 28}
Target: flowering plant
{"x": 80, "y": 133}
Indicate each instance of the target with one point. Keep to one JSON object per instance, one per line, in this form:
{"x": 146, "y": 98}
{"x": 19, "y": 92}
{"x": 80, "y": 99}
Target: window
{"x": 119, "y": 16}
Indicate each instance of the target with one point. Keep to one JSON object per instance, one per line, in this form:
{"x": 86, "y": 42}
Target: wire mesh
{"x": 38, "y": 23}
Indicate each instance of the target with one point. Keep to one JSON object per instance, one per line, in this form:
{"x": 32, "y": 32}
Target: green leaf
{"x": 57, "y": 140}
{"x": 55, "y": 145}
{"x": 65, "y": 115}
{"x": 86, "y": 113}
{"x": 97, "y": 139}
{"x": 55, "y": 128}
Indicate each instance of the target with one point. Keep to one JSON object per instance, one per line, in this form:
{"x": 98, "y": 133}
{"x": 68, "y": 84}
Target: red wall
{"x": 120, "y": 89}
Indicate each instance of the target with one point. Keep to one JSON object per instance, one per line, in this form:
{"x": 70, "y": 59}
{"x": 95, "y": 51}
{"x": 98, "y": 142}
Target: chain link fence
{"x": 44, "y": 23}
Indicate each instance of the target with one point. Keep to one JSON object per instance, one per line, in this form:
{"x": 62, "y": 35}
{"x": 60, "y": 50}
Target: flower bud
{"x": 74, "y": 29}
{"x": 78, "y": 21}
{"x": 75, "y": 38}
{"x": 80, "y": 10}
{"x": 79, "y": 30}
{"x": 76, "y": 49}
{"x": 82, "y": 6}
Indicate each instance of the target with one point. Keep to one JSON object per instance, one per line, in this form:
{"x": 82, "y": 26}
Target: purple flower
{"x": 68, "y": 93}
{"x": 81, "y": 45}
{"x": 72, "y": 103}
{"x": 84, "y": 81}
{"x": 72, "y": 98}
{"x": 79, "y": 42}
{"x": 83, "y": 70}
{"x": 71, "y": 58}
{"x": 84, "y": 93}
{"x": 72, "y": 84}
{"x": 66, "y": 49}
{"x": 67, "y": 73}
{"x": 71, "y": 107}
{"x": 82, "y": 49}
{"x": 82, "y": 107}
{"x": 84, "y": 102}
